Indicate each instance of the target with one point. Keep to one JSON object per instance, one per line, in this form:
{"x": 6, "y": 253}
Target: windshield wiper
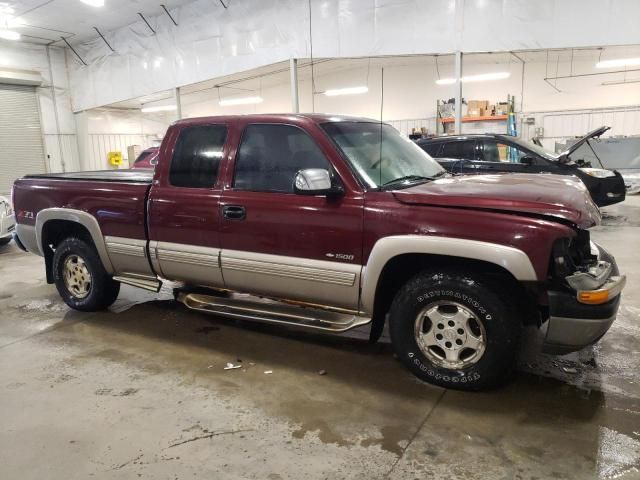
{"x": 413, "y": 179}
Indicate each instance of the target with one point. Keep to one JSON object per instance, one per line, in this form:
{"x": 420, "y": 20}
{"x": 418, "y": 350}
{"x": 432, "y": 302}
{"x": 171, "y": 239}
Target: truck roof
{"x": 465, "y": 136}
{"x": 277, "y": 117}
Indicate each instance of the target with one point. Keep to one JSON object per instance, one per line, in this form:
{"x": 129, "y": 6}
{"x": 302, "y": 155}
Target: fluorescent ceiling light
{"x": 94, "y": 3}
{"x": 9, "y": 35}
{"x": 346, "y": 91}
{"x": 159, "y": 108}
{"x": 619, "y": 62}
{"x": 15, "y": 22}
{"x": 483, "y": 77}
{"x": 227, "y": 102}
{"x": 620, "y": 82}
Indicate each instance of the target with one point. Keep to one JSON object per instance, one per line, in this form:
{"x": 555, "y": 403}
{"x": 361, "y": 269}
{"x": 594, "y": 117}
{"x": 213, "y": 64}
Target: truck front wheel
{"x": 80, "y": 277}
{"x": 452, "y": 330}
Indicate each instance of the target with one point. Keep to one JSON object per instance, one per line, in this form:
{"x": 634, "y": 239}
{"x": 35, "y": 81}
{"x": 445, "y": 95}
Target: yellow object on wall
{"x": 115, "y": 158}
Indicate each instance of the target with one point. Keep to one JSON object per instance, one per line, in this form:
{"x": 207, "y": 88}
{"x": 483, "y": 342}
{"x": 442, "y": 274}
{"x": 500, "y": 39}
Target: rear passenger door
{"x": 183, "y": 207}
{"x": 278, "y": 243}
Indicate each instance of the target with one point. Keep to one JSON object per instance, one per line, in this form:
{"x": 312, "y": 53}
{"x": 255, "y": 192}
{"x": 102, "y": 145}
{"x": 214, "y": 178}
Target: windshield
{"x": 534, "y": 148}
{"x": 380, "y": 155}
{"x": 142, "y": 157}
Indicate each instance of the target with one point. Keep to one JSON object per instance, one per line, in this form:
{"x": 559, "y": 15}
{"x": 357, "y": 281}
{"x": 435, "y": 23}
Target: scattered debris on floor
{"x": 571, "y": 370}
{"x": 231, "y": 366}
{"x": 322, "y": 372}
{"x": 268, "y": 372}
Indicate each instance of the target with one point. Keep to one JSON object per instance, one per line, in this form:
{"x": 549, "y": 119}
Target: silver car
{"x": 7, "y": 221}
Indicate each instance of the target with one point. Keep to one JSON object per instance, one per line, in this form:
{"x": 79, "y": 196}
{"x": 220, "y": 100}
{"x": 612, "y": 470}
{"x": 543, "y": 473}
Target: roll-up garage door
{"x": 21, "y": 149}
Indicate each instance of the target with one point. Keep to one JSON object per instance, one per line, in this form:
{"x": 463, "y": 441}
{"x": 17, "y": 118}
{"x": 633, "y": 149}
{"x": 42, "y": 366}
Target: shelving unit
{"x": 492, "y": 118}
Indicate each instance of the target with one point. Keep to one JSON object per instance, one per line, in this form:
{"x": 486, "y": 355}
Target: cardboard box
{"x": 477, "y": 108}
{"x": 502, "y": 108}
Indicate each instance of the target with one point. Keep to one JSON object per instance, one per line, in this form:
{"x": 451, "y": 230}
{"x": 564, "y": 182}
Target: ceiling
{"x": 45, "y": 21}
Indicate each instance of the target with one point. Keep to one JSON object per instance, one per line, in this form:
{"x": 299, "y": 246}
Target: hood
{"x": 593, "y": 134}
{"x": 555, "y": 196}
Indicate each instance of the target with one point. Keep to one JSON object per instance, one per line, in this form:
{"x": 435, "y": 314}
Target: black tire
{"x": 5, "y": 241}
{"x": 493, "y": 322}
{"x": 102, "y": 290}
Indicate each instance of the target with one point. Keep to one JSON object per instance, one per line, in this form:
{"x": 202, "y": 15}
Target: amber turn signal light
{"x": 594, "y": 298}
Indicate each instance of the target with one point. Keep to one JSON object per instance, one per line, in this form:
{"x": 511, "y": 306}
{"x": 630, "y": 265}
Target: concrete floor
{"x": 140, "y": 391}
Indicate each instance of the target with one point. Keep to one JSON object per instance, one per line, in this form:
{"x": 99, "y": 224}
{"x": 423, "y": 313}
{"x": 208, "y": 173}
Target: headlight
{"x": 598, "y": 172}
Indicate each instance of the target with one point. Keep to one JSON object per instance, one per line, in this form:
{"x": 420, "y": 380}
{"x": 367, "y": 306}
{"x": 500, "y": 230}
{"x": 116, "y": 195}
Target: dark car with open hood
{"x": 329, "y": 223}
{"x": 496, "y": 153}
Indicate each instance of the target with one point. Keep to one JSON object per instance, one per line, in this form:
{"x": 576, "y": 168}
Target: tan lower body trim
{"x": 128, "y": 256}
{"x": 314, "y": 281}
{"x": 188, "y": 263}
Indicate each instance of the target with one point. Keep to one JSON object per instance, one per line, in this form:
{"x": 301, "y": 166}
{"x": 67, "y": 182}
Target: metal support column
{"x": 458, "y": 93}
{"x": 176, "y": 94}
{"x": 293, "y": 70}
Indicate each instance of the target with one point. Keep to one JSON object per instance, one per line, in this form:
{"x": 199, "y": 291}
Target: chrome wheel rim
{"x": 77, "y": 277}
{"x": 450, "y": 335}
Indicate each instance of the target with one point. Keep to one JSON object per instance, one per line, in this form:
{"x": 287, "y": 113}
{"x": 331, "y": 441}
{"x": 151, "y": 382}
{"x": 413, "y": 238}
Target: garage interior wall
{"x": 104, "y": 130}
{"x": 211, "y": 41}
{"x": 56, "y": 117}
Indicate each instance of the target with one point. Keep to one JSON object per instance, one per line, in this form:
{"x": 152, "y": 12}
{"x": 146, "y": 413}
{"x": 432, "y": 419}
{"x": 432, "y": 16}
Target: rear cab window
{"x": 197, "y": 156}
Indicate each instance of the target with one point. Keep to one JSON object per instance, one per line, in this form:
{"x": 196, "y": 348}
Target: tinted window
{"x": 463, "y": 149}
{"x": 197, "y": 156}
{"x": 270, "y": 156}
{"x": 431, "y": 148}
{"x": 494, "y": 151}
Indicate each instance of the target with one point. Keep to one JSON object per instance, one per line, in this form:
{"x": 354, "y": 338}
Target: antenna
{"x": 313, "y": 79}
{"x": 381, "y": 113}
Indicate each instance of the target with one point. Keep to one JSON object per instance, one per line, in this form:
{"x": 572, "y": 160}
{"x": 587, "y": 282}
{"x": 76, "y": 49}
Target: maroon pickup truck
{"x": 330, "y": 223}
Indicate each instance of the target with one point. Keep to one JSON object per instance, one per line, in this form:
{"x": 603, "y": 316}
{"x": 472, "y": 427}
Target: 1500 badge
{"x": 340, "y": 256}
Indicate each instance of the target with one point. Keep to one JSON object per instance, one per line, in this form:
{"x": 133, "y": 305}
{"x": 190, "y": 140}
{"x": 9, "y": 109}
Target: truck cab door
{"x": 282, "y": 244}
{"x": 183, "y": 207}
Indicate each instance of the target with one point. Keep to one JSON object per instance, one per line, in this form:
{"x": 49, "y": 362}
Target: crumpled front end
{"x": 584, "y": 294}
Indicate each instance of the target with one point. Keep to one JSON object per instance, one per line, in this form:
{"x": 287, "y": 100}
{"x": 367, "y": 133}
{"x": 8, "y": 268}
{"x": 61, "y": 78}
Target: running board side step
{"x": 140, "y": 281}
{"x": 272, "y": 311}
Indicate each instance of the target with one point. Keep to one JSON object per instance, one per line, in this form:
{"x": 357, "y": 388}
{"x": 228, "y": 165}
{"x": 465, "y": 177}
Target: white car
{"x": 7, "y": 221}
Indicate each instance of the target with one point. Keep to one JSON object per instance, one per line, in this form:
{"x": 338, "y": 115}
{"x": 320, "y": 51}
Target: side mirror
{"x": 316, "y": 181}
{"x": 527, "y": 160}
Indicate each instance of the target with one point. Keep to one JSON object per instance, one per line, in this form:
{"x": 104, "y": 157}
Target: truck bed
{"x": 127, "y": 176}
{"x": 115, "y": 198}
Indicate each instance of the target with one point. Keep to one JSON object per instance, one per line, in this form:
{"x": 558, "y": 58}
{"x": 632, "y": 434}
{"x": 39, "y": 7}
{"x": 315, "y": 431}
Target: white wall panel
{"x": 211, "y": 41}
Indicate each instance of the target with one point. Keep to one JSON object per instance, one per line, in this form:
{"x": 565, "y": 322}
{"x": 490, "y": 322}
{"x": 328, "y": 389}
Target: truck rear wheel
{"x": 452, "y": 330}
{"x": 80, "y": 277}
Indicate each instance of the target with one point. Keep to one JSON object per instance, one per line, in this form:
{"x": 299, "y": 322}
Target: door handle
{"x": 234, "y": 212}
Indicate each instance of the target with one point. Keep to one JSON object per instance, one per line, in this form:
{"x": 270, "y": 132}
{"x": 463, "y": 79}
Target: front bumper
{"x": 573, "y": 322}
{"x": 7, "y": 226}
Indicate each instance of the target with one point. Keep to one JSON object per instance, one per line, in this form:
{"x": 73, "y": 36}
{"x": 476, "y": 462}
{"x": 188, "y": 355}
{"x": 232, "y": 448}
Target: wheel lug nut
{"x": 452, "y": 323}
{"x": 460, "y": 331}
